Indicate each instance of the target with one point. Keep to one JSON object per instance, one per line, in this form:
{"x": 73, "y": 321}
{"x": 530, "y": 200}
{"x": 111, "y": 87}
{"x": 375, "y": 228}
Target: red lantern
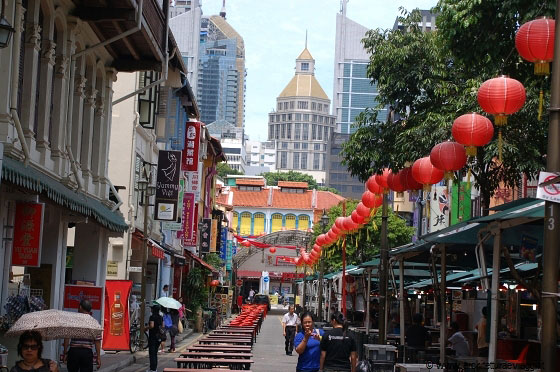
{"x": 372, "y": 200}
{"x": 320, "y": 239}
{"x": 339, "y": 223}
{"x": 246, "y": 243}
{"x": 336, "y": 230}
{"x": 356, "y": 218}
{"x": 425, "y": 173}
{"x": 472, "y": 130}
{"x": 272, "y": 249}
{"x": 299, "y": 261}
{"x": 362, "y": 210}
{"x": 408, "y": 181}
{"x": 332, "y": 236}
{"x": 535, "y": 43}
{"x": 373, "y": 186}
{"x": 349, "y": 225}
{"x": 381, "y": 179}
{"x": 214, "y": 283}
{"x": 307, "y": 259}
{"x": 449, "y": 157}
{"x": 394, "y": 182}
{"x": 501, "y": 96}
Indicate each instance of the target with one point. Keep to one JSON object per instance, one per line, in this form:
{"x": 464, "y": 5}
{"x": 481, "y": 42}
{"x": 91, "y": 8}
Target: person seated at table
{"x": 417, "y": 335}
{"x": 458, "y": 341}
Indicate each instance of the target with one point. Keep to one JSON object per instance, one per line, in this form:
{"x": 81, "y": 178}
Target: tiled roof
{"x": 249, "y": 182}
{"x": 222, "y": 199}
{"x": 327, "y": 199}
{"x": 290, "y": 200}
{"x": 292, "y": 184}
{"x": 250, "y": 198}
{"x": 304, "y": 86}
{"x": 305, "y": 55}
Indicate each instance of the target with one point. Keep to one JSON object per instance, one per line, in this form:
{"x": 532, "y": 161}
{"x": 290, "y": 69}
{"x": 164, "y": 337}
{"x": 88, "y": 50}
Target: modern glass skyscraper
{"x": 221, "y": 72}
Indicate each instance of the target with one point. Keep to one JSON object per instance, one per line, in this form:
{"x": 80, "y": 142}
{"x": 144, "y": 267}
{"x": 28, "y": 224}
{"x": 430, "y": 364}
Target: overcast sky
{"x": 274, "y": 35}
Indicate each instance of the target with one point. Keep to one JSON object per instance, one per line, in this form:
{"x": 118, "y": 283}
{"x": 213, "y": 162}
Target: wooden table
{"x": 216, "y": 354}
{"x": 235, "y": 331}
{"x": 225, "y": 348}
{"x": 236, "y": 364}
{"x": 232, "y": 341}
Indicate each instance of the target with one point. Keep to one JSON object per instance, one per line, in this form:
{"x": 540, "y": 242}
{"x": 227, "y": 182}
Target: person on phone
{"x": 338, "y": 347}
{"x": 308, "y": 345}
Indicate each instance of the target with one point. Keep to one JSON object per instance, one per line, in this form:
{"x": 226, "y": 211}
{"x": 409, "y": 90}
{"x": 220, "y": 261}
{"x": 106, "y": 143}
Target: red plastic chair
{"x": 522, "y": 358}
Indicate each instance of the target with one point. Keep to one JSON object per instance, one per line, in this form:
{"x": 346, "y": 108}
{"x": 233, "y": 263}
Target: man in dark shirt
{"x": 417, "y": 335}
{"x": 338, "y": 348}
{"x": 154, "y": 337}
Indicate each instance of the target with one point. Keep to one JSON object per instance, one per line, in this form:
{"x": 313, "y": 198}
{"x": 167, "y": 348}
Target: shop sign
{"x": 28, "y": 234}
{"x": 112, "y": 268}
{"x": 193, "y": 182}
{"x": 189, "y": 220}
{"x": 73, "y": 294}
{"x": 167, "y": 185}
{"x": 190, "y": 152}
{"x": 177, "y": 225}
{"x": 134, "y": 269}
{"x": 157, "y": 252}
{"x": 213, "y": 235}
{"x": 550, "y": 192}
{"x": 439, "y": 208}
{"x": 223, "y": 241}
{"x": 205, "y": 232}
{"x": 116, "y": 323}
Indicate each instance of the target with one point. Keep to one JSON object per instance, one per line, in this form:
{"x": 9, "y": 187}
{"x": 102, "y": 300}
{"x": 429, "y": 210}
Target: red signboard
{"x": 285, "y": 261}
{"x": 292, "y": 276}
{"x": 28, "y": 233}
{"x": 190, "y": 152}
{"x": 157, "y": 252}
{"x": 73, "y": 294}
{"x": 190, "y": 210}
{"x": 116, "y": 323}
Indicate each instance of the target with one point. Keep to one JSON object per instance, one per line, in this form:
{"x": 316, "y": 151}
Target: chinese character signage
{"x": 439, "y": 208}
{"x": 205, "y": 232}
{"x": 223, "y": 243}
{"x": 214, "y": 235}
{"x": 189, "y": 220}
{"x": 190, "y": 152}
{"x": 73, "y": 294}
{"x": 167, "y": 185}
{"x": 28, "y": 233}
{"x": 116, "y": 323}
{"x": 460, "y": 202}
{"x": 193, "y": 183}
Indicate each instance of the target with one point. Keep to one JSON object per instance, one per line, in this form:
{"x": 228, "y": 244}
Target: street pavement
{"x": 268, "y": 352}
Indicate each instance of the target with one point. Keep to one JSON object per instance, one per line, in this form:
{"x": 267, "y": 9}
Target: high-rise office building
{"x": 301, "y": 125}
{"x": 221, "y": 72}
{"x": 185, "y": 24}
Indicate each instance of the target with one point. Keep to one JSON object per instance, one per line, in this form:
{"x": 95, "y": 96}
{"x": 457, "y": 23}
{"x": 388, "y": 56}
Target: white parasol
{"x": 57, "y": 324}
{"x": 169, "y": 303}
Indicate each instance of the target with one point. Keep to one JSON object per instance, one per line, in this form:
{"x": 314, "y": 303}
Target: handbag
{"x": 180, "y": 326}
{"x": 162, "y": 336}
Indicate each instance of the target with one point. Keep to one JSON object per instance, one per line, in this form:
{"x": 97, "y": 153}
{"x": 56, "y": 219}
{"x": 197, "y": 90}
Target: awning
{"x": 528, "y": 208}
{"x": 15, "y": 172}
{"x": 249, "y": 274}
{"x": 156, "y": 249}
{"x": 201, "y": 262}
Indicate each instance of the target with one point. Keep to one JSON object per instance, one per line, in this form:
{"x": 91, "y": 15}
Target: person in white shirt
{"x": 165, "y": 291}
{"x": 290, "y": 323}
{"x": 458, "y": 341}
{"x": 251, "y": 295}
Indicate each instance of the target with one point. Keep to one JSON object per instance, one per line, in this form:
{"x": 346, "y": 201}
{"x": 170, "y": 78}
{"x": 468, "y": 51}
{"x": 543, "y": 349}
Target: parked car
{"x": 262, "y": 299}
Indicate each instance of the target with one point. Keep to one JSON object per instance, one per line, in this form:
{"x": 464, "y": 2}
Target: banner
{"x": 205, "y": 233}
{"x": 189, "y": 219}
{"x": 214, "y": 235}
{"x": 178, "y": 224}
{"x": 28, "y": 234}
{"x": 192, "y": 142}
{"x": 73, "y": 294}
{"x": 223, "y": 245}
{"x": 167, "y": 185}
{"x": 116, "y": 326}
{"x": 460, "y": 202}
{"x": 439, "y": 208}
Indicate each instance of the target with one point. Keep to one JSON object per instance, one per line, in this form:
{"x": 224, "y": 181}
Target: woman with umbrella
{"x": 30, "y": 348}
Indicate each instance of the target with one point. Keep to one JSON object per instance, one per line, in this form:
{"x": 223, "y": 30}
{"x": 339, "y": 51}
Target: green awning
{"x": 15, "y": 172}
{"x": 521, "y": 267}
{"x": 528, "y": 208}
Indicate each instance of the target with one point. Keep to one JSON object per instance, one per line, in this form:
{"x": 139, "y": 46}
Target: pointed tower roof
{"x": 305, "y": 55}
{"x": 304, "y": 83}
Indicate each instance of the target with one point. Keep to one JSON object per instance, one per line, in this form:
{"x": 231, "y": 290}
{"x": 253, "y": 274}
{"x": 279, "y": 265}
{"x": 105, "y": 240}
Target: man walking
{"x": 290, "y": 323}
{"x": 78, "y": 352}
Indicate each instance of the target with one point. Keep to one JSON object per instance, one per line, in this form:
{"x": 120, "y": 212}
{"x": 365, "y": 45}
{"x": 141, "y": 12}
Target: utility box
{"x": 381, "y": 353}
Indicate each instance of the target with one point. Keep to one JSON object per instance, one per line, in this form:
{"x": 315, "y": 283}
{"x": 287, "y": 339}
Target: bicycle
{"x": 136, "y": 341}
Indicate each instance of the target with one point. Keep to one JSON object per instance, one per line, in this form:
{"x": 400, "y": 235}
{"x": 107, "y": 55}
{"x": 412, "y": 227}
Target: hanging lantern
{"x": 501, "y": 96}
{"x": 246, "y": 243}
{"x": 307, "y": 259}
{"x": 394, "y": 182}
{"x": 408, "y": 180}
{"x": 332, "y": 236}
{"x": 472, "y": 130}
{"x": 272, "y": 250}
{"x": 299, "y": 261}
{"x": 362, "y": 210}
{"x": 336, "y": 229}
{"x": 320, "y": 239}
{"x": 373, "y": 186}
{"x": 371, "y": 200}
{"x": 349, "y": 224}
{"x": 449, "y": 157}
{"x": 358, "y": 219}
{"x": 381, "y": 180}
{"x": 425, "y": 173}
{"x": 535, "y": 43}
{"x": 339, "y": 223}
{"x": 317, "y": 247}
{"x": 214, "y": 283}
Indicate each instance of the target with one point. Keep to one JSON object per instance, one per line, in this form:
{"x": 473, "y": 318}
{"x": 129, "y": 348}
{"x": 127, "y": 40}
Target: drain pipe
{"x": 164, "y": 67}
{"x": 70, "y": 101}
{"x": 15, "y": 81}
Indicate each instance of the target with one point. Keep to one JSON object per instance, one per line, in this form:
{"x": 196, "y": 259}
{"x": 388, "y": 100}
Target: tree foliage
{"x": 364, "y": 244}
{"x": 214, "y": 260}
{"x": 224, "y": 169}
{"x": 272, "y": 178}
{"x": 195, "y": 289}
{"x": 431, "y": 78}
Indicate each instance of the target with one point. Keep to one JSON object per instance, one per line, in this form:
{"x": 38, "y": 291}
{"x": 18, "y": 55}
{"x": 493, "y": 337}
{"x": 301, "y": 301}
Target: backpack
{"x": 167, "y": 322}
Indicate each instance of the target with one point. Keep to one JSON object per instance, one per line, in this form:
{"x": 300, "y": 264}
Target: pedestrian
{"x": 78, "y": 352}
{"x": 174, "y": 329}
{"x": 458, "y": 341}
{"x": 239, "y": 303}
{"x": 155, "y": 324}
{"x": 30, "y": 348}
{"x": 251, "y": 295}
{"x": 417, "y": 336}
{"x": 290, "y": 323}
{"x": 338, "y": 348}
{"x": 165, "y": 291}
{"x": 166, "y": 325}
{"x": 182, "y": 315}
{"x": 481, "y": 342}
{"x": 308, "y": 345}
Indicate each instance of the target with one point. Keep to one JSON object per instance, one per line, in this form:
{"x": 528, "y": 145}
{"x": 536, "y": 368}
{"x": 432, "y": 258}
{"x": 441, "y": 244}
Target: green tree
{"x": 272, "y": 178}
{"x": 331, "y": 189}
{"x": 224, "y": 169}
{"x": 213, "y": 260}
{"x": 363, "y": 245}
{"x": 431, "y": 78}
{"x": 195, "y": 289}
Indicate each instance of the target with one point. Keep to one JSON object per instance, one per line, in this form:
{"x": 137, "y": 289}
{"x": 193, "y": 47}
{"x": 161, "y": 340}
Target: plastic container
{"x": 385, "y": 353}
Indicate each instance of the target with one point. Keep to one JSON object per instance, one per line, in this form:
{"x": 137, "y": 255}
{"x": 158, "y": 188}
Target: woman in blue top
{"x": 307, "y": 343}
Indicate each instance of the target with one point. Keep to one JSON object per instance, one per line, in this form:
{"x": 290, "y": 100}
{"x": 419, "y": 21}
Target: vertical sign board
{"x": 205, "y": 234}
{"x": 439, "y": 208}
{"x": 460, "y": 202}
{"x": 177, "y": 225}
{"x": 214, "y": 235}
{"x": 28, "y": 234}
{"x": 223, "y": 245}
{"x": 167, "y": 185}
{"x": 190, "y": 151}
{"x": 189, "y": 219}
{"x": 116, "y": 325}
{"x": 73, "y": 294}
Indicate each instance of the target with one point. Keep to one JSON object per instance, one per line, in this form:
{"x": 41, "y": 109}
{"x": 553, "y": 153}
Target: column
{"x": 77, "y": 110}
{"x": 103, "y": 154}
{"x": 44, "y": 104}
{"x": 59, "y": 111}
{"x": 87, "y": 134}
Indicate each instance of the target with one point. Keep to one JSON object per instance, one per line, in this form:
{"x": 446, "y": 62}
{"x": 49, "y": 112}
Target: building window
{"x": 277, "y": 132}
{"x": 303, "y": 105}
{"x": 148, "y": 100}
{"x": 279, "y": 106}
{"x": 296, "y": 160}
{"x": 305, "y": 132}
{"x": 313, "y": 131}
{"x": 283, "y": 132}
{"x": 320, "y": 132}
{"x": 235, "y": 221}
{"x": 258, "y": 224}
{"x": 305, "y": 117}
{"x": 324, "y": 161}
{"x": 326, "y": 133}
{"x": 304, "y": 146}
{"x": 291, "y": 105}
{"x": 298, "y": 117}
{"x": 313, "y": 106}
{"x": 245, "y": 223}
{"x": 297, "y": 131}
{"x": 289, "y": 131}
{"x": 290, "y": 222}
{"x": 270, "y": 132}
{"x": 303, "y": 222}
{"x": 272, "y": 118}
{"x": 283, "y": 159}
{"x": 284, "y": 145}
{"x": 296, "y": 145}
{"x": 303, "y": 160}
{"x": 283, "y": 117}
{"x": 276, "y": 224}
{"x": 305, "y": 66}
{"x": 317, "y": 147}
{"x": 286, "y": 105}
{"x": 316, "y": 159}
{"x": 320, "y": 107}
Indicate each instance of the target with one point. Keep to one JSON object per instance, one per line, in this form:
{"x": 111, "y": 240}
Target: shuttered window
{"x": 276, "y": 222}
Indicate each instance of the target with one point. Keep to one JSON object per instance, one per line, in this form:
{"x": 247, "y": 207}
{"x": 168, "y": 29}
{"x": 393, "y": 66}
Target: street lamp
{"x": 324, "y": 223}
{"x": 6, "y": 29}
